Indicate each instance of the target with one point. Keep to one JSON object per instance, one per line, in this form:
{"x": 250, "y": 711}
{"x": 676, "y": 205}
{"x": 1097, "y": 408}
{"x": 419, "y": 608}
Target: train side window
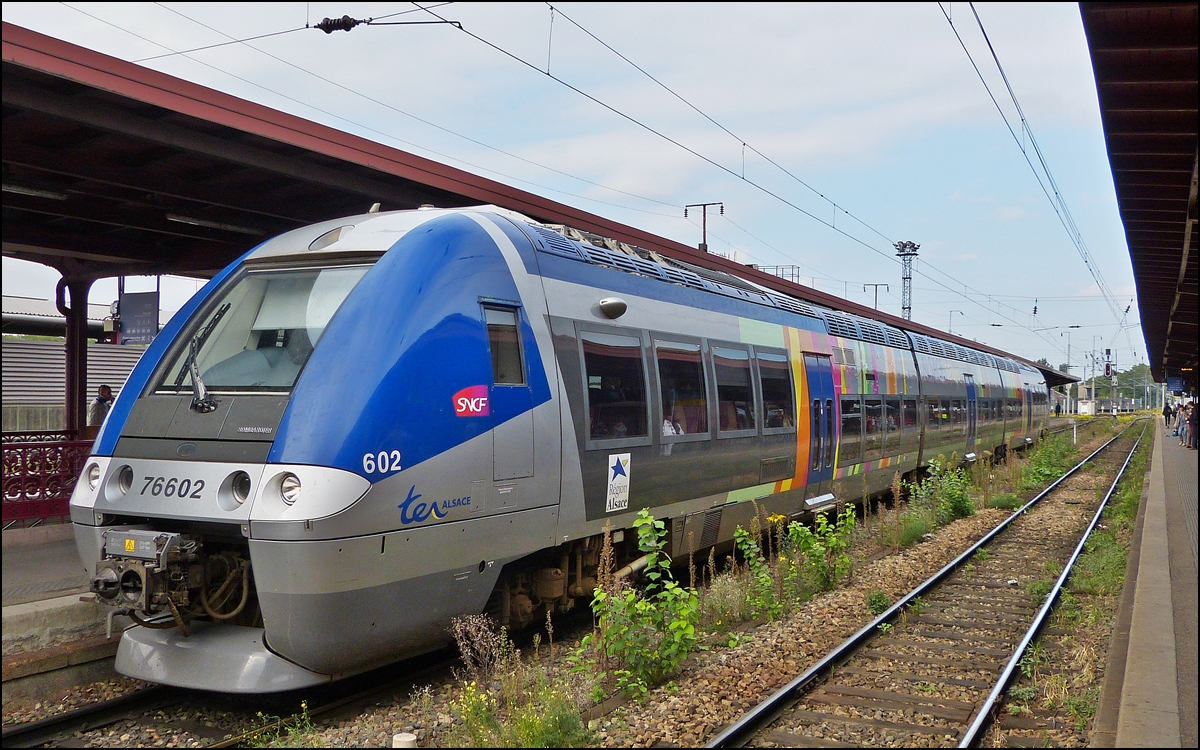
{"x": 775, "y": 383}
{"x": 910, "y": 425}
{"x": 684, "y": 398}
{"x": 957, "y": 415}
{"x": 504, "y": 341}
{"x": 735, "y": 395}
{"x": 616, "y": 380}
{"x": 816, "y": 431}
{"x": 829, "y": 432}
{"x": 873, "y": 429}
{"x": 946, "y": 416}
{"x": 892, "y": 423}
{"x": 850, "y": 446}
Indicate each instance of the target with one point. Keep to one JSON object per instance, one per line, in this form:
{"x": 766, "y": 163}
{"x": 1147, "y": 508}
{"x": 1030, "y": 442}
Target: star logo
{"x": 618, "y": 469}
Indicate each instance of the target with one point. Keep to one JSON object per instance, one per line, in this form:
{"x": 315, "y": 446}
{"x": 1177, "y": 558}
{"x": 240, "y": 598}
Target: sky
{"x": 828, "y": 131}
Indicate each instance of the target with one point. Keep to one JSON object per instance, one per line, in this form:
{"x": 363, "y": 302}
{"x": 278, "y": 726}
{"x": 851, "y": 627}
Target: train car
{"x": 366, "y": 427}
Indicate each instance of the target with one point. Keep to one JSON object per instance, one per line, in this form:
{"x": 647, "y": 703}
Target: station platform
{"x": 1149, "y": 697}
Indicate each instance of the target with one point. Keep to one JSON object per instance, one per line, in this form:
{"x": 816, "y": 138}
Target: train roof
{"x": 371, "y": 233}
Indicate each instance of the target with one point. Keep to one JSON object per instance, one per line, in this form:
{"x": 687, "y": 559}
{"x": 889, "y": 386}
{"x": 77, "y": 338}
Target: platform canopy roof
{"x": 1144, "y": 58}
{"x": 111, "y": 168}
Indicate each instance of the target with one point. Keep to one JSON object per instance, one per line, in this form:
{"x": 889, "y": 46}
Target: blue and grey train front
{"x": 281, "y": 495}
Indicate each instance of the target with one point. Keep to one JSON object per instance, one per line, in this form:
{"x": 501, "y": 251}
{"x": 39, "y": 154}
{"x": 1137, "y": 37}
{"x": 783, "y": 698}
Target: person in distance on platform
{"x": 1191, "y": 415}
{"x": 98, "y": 409}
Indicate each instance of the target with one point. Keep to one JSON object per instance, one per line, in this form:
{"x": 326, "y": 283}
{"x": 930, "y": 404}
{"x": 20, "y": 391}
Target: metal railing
{"x": 38, "y": 436}
{"x": 40, "y": 470}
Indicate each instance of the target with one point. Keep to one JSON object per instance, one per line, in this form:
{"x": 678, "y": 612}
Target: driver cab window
{"x": 504, "y": 340}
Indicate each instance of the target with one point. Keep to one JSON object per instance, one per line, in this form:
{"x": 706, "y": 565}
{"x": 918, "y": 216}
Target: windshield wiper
{"x": 201, "y": 401}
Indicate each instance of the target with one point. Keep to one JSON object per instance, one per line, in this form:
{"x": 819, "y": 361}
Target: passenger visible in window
{"x": 684, "y": 401}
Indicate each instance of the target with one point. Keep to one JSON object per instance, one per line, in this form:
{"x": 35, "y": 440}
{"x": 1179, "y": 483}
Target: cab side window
{"x": 504, "y": 341}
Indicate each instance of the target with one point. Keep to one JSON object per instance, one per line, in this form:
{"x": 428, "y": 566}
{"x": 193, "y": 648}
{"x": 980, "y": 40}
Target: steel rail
{"x": 441, "y": 660}
{"x": 738, "y": 733}
{"x": 86, "y": 718}
{"x": 983, "y": 715}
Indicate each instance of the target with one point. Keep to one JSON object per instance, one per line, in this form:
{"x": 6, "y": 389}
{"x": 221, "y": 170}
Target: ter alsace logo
{"x": 472, "y": 401}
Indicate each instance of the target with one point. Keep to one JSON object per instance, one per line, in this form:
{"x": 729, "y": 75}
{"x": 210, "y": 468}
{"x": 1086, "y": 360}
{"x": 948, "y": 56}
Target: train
{"x": 366, "y": 427}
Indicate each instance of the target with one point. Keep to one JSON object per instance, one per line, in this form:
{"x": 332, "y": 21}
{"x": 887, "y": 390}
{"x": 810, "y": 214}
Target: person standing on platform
{"x": 99, "y": 407}
{"x": 1167, "y": 415}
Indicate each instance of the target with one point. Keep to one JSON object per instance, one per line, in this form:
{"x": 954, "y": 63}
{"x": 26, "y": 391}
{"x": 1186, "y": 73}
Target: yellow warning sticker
{"x": 129, "y": 545}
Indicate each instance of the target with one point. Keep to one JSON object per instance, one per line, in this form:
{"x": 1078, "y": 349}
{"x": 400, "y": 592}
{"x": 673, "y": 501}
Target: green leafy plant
{"x": 1038, "y": 590}
{"x": 947, "y": 490}
{"x": 1024, "y": 693}
{"x": 1006, "y": 501}
{"x": 1030, "y": 660}
{"x": 295, "y": 731}
{"x": 648, "y": 633}
{"x": 825, "y": 549}
{"x": 917, "y": 606}
{"x": 544, "y": 715}
{"x": 1052, "y": 457}
{"x": 878, "y": 601}
{"x": 761, "y": 594}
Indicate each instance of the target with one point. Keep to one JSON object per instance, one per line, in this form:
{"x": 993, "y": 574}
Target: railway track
{"x": 326, "y": 703}
{"x": 931, "y": 669}
{"x": 90, "y": 718}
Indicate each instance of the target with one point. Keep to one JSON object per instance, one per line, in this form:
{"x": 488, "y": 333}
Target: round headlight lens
{"x": 125, "y": 479}
{"x": 93, "y": 476}
{"x": 240, "y": 486}
{"x": 289, "y": 488}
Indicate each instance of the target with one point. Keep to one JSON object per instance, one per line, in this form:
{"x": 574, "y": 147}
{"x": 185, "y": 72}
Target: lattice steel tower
{"x": 906, "y": 251}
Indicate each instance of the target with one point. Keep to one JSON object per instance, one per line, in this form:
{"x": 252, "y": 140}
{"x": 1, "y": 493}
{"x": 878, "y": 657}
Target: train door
{"x": 822, "y": 436}
{"x": 972, "y": 412}
{"x": 512, "y": 440}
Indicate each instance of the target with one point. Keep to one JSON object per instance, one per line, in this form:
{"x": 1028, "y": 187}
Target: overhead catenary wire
{"x": 822, "y": 221}
{"x": 422, "y": 120}
{"x": 382, "y": 133}
{"x": 723, "y": 168}
{"x": 1057, "y": 202}
{"x": 254, "y": 38}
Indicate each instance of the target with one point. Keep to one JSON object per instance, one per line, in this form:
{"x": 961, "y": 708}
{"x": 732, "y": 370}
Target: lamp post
{"x": 951, "y": 329}
{"x": 1071, "y": 386}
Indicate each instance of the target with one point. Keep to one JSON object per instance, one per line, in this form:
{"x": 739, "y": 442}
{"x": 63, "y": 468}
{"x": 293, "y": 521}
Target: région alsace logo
{"x": 472, "y": 401}
{"x": 617, "y": 497}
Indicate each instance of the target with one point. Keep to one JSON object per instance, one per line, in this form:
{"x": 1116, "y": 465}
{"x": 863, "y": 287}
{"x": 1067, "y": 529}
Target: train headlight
{"x": 240, "y": 487}
{"x": 289, "y": 488}
{"x": 125, "y": 479}
{"x": 93, "y": 476}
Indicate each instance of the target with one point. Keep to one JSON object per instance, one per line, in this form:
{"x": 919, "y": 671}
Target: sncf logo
{"x": 472, "y": 402}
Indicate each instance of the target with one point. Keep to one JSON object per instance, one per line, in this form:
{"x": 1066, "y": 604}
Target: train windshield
{"x": 259, "y": 334}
